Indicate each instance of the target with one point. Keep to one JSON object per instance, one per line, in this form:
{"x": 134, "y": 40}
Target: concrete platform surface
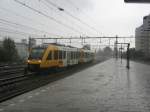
{"x": 105, "y": 87}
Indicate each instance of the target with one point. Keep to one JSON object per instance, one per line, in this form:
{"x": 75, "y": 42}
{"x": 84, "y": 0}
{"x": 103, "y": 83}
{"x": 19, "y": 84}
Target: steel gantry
{"x": 83, "y": 39}
{"x": 116, "y": 42}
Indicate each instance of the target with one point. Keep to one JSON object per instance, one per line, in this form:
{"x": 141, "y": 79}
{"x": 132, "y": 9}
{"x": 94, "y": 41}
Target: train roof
{"x": 59, "y": 45}
{"x": 45, "y": 45}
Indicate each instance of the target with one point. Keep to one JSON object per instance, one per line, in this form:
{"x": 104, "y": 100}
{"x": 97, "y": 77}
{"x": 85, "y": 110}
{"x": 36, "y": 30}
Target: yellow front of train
{"x": 35, "y": 58}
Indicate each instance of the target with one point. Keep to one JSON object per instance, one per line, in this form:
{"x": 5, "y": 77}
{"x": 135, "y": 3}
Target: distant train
{"x": 55, "y": 56}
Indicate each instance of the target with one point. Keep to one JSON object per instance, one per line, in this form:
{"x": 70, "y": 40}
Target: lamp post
{"x": 128, "y": 54}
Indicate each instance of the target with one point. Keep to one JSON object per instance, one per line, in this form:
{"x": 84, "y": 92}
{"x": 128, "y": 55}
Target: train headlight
{"x": 39, "y": 61}
{"x": 28, "y": 61}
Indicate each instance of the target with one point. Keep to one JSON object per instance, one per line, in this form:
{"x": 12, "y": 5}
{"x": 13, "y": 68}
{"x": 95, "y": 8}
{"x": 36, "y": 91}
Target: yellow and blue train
{"x": 55, "y": 56}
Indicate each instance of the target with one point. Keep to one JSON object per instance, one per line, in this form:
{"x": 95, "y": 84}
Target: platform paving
{"x": 105, "y": 87}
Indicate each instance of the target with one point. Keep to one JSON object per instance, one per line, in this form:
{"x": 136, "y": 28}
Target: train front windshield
{"x": 36, "y": 53}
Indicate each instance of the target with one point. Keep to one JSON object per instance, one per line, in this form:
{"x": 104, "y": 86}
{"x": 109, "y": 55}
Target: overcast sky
{"x": 99, "y": 17}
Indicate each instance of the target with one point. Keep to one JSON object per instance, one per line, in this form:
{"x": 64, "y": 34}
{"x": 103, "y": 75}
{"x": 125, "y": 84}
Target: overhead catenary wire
{"x": 71, "y": 15}
{"x": 26, "y": 18}
{"x": 78, "y": 9}
{"x": 28, "y": 27}
{"x": 68, "y": 21}
{"x": 19, "y": 32}
{"x": 47, "y": 16}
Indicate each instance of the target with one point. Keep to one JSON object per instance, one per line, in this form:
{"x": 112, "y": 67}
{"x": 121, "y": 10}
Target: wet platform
{"x": 105, "y": 87}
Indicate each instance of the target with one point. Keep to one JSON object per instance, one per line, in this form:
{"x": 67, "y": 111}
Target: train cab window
{"x": 37, "y": 53}
{"x": 55, "y": 55}
{"x": 49, "y": 57}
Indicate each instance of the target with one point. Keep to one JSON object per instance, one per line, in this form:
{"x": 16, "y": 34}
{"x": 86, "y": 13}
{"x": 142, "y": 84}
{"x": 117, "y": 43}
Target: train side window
{"x": 80, "y": 54}
{"x": 68, "y": 54}
{"x": 49, "y": 57}
{"x": 60, "y": 54}
{"x": 71, "y": 55}
{"x": 75, "y": 55}
{"x": 55, "y": 55}
{"x": 64, "y": 54}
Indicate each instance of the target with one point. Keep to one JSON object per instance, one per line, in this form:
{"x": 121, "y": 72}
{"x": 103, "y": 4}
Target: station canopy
{"x": 137, "y": 1}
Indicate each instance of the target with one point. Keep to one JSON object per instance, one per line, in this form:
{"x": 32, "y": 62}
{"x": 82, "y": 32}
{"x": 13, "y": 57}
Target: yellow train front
{"x": 57, "y": 57}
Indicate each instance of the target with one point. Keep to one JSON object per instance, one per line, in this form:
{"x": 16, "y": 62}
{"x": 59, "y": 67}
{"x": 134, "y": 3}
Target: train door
{"x": 68, "y": 57}
{"x": 48, "y": 57}
{"x": 55, "y": 61}
{"x": 64, "y": 58}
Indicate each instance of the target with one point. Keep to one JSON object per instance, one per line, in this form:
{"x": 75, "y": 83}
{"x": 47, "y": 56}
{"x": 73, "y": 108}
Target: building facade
{"x": 142, "y": 36}
{"x": 22, "y": 49}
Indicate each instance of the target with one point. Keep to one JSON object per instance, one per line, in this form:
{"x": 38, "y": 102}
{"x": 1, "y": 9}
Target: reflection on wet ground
{"x": 106, "y": 87}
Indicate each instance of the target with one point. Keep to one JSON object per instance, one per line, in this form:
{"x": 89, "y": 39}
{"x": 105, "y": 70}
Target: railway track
{"x": 9, "y": 71}
{"x": 12, "y": 86}
{"x": 10, "y": 77}
{"x": 9, "y": 67}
